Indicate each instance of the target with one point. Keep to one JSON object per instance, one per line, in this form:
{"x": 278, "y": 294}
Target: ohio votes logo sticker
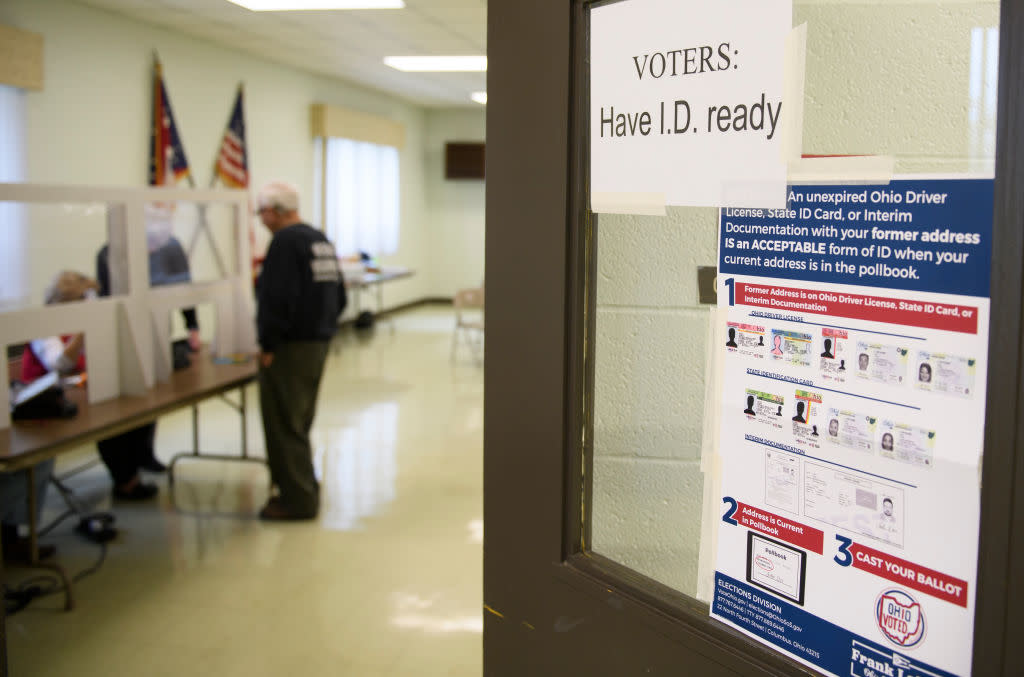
{"x": 899, "y": 617}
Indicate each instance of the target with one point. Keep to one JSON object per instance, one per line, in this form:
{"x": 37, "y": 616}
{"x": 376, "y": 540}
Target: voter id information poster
{"x": 855, "y": 335}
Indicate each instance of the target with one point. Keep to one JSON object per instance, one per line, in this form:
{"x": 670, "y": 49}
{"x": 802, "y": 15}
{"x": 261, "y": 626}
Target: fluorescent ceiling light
{"x": 288, "y": 5}
{"x": 437, "y": 63}
{"x": 479, "y": 97}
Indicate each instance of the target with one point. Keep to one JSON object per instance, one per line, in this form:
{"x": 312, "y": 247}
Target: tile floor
{"x": 388, "y": 581}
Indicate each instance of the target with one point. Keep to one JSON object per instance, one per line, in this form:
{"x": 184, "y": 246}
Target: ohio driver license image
{"x": 882, "y": 363}
{"x": 833, "y": 358}
{"x": 791, "y": 347}
{"x": 947, "y": 374}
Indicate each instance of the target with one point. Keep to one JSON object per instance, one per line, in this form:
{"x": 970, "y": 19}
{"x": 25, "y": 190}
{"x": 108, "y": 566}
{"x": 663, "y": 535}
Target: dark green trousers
{"x": 288, "y": 392}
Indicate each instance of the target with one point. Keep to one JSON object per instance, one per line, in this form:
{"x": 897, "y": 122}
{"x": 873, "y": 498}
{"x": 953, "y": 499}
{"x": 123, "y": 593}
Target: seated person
{"x": 124, "y": 454}
{"x": 14, "y": 512}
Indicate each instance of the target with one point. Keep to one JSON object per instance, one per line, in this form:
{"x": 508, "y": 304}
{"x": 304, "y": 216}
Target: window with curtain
{"x": 12, "y": 215}
{"x": 361, "y": 197}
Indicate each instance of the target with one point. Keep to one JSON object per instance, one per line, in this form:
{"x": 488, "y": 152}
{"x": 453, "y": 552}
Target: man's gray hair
{"x": 68, "y": 285}
{"x": 280, "y": 195}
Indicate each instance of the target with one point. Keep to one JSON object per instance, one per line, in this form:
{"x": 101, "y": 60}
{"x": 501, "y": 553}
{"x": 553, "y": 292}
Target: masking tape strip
{"x": 708, "y": 553}
{"x": 713, "y": 375}
{"x": 710, "y": 461}
{"x": 645, "y": 204}
{"x": 793, "y": 77}
{"x": 856, "y": 169}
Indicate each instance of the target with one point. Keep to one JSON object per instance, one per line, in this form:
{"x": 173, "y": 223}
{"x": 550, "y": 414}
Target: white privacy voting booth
{"x": 128, "y": 335}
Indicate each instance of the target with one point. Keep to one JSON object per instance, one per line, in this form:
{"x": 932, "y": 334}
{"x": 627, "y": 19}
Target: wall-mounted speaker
{"x": 463, "y": 160}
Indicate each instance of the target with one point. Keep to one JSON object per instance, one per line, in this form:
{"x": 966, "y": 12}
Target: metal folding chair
{"x": 469, "y": 321}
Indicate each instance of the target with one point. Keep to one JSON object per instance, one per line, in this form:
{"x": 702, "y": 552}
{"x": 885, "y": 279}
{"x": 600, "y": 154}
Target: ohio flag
{"x": 167, "y": 161}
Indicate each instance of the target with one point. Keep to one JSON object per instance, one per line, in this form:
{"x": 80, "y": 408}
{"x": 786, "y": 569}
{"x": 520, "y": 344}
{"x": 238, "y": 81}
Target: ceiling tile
{"x": 345, "y": 45}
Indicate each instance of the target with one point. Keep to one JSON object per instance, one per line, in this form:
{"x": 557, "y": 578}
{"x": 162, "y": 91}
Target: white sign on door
{"x": 686, "y": 103}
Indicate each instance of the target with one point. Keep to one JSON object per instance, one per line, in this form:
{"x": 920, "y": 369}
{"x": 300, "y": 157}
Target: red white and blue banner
{"x": 232, "y": 165}
{"x": 167, "y": 161}
{"x": 855, "y": 342}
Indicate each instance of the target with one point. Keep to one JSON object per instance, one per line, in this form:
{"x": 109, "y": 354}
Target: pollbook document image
{"x": 776, "y": 566}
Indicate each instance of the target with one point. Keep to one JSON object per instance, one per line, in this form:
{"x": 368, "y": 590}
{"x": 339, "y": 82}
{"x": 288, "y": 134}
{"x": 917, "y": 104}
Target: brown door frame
{"x": 999, "y": 618}
{"x": 551, "y": 607}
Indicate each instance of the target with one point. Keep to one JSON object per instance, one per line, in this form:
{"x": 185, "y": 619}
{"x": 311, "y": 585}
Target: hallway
{"x": 388, "y": 580}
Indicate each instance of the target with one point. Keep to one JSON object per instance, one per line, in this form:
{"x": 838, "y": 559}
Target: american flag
{"x": 167, "y": 161}
{"x": 232, "y": 163}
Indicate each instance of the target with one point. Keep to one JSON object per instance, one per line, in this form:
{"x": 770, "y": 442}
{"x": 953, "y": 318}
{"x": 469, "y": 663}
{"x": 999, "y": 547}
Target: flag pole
{"x": 155, "y": 76}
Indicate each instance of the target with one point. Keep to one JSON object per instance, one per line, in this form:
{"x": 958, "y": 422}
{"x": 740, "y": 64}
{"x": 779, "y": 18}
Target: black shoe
{"x": 153, "y": 465}
{"x": 140, "y": 492}
{"x": 275, "y": 511}
{"x": 96, "y": 528}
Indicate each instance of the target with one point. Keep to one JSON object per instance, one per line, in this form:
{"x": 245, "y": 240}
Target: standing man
{"x": 300, "y": 295}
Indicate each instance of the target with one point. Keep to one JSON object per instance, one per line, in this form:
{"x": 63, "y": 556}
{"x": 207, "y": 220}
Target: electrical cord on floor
{"x": 24, "y": 593}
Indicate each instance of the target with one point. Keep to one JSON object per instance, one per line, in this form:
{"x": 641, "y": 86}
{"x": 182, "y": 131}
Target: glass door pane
{"x": 914, "y": 80}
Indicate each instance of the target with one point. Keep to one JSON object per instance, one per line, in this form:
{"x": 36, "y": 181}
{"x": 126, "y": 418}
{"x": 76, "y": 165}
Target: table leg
{"x": 3, "y": 636}
{"x": 245, "y": 426}
{"x": 198, "y": 455}
{"x": 195, "y": 429}
{"x": 195, "y": 445}
{"x": 33, "y": 541}
{"x": 380, "y": 306}
{"x": 33, "y": 527}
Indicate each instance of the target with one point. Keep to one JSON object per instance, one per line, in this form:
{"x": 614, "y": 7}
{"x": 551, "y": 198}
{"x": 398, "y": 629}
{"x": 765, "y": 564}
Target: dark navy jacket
{"x": 300, "y": 292}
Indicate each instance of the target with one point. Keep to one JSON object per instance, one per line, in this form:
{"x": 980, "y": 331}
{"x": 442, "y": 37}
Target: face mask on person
{"x": 159, "y": 225}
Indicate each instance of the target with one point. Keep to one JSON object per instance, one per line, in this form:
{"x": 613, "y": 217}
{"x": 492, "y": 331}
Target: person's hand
{"x": 193, "y": 340}
{"x": 74, "y": 348}
{"x": 266, "y": 359}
